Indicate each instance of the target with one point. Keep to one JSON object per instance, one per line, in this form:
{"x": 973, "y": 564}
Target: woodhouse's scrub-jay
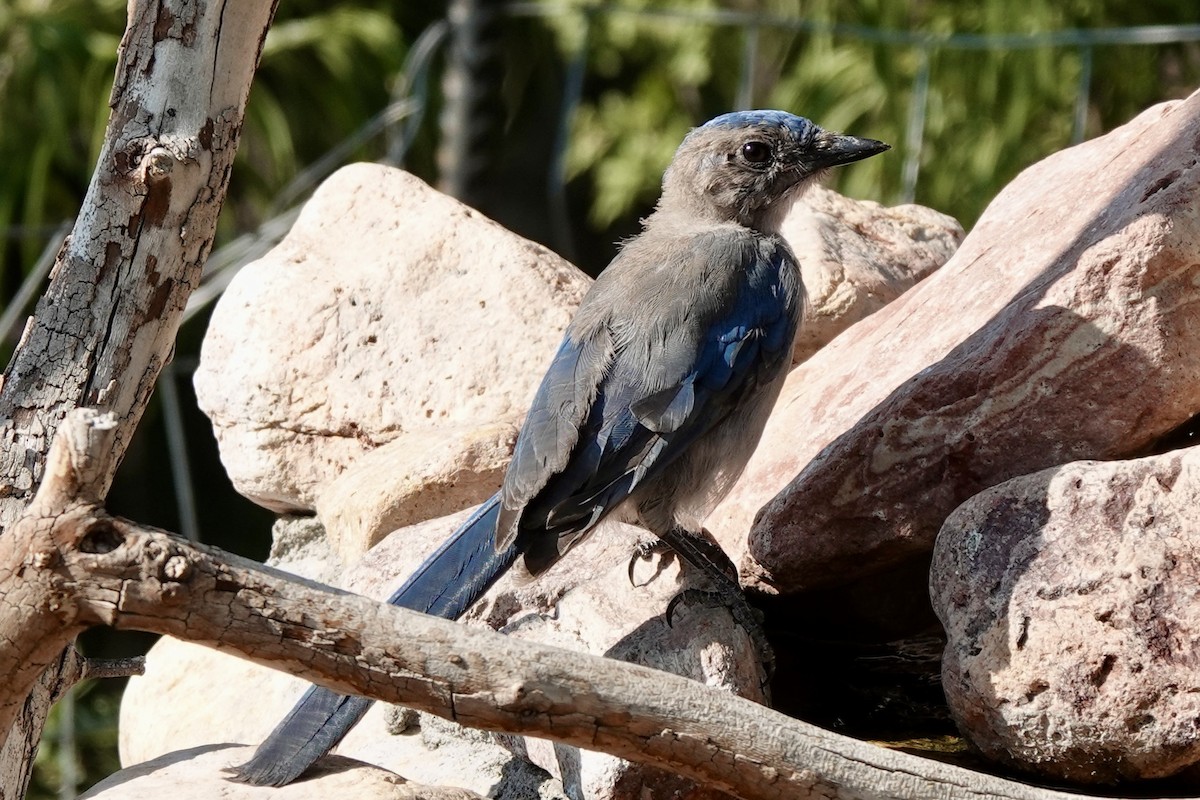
{"x": 655, "y": 399}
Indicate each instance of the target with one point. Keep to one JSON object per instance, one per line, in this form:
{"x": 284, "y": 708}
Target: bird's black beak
{"x": 833, "y": 149}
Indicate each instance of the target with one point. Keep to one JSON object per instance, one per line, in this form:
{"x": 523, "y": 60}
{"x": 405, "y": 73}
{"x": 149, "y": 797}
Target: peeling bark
{"x": 107, "y": 323}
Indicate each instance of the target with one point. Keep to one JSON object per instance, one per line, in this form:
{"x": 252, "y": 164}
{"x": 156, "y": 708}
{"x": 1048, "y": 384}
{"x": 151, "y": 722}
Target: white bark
{"x": 107, "y": 323}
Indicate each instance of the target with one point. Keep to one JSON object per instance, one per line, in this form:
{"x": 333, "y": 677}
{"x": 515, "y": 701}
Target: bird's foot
{"x": 702, "y": 552}
{"x": 746, "y": 616}
{"x": 643, "y": 552}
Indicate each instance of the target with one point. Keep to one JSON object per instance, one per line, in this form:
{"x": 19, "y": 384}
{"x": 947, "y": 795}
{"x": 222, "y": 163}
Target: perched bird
{"x": 654, "y": 401}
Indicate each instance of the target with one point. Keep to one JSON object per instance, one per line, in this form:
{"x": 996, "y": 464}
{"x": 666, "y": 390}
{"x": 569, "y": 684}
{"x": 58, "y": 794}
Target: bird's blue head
{"x": 803, "y": 130}
{"x": 746, "y": 166}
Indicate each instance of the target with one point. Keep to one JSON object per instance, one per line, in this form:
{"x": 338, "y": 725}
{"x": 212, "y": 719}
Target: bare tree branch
{"x": 83, "y": 567}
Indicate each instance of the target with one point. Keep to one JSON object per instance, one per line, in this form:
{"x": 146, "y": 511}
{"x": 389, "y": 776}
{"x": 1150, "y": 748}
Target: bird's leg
{"x": 704, "y": 554}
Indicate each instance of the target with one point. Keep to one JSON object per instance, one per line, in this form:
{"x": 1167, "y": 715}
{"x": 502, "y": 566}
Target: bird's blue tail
{"x": 445, "y": 585}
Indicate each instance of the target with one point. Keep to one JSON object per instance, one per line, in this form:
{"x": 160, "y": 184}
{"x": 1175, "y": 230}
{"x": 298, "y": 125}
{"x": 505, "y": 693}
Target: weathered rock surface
{"x": 857, "y": 256}
{"x": 214, "y": 697}
{"x": 199, "y": 773}
{"x": 423, "y": 475}
{"x": 584, "y": 603}
{"x": 1071, "y": 601}
{"x": 375, "y": 318}
{"x": 1067, "y": 326}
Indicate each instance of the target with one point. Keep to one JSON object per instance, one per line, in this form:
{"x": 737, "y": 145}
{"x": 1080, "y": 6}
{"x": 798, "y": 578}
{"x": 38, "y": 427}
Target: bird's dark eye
{"x": 756, "y": 152}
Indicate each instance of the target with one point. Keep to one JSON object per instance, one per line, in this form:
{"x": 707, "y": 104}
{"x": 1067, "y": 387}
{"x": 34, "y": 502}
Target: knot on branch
{"x": 176, "y": 568}
{"x": 100, "y": 537}
{"x": 157, "y": 164}
{"x": 147, "y": 162}
{"x": 167, "y": 563}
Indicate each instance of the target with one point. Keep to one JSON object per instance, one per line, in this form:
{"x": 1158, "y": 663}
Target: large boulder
{"x": 1067, "y": 326}
{"x": 423, "y": 475}
{"x": 1071, "y": 602}
{"x": 389, "y": 310}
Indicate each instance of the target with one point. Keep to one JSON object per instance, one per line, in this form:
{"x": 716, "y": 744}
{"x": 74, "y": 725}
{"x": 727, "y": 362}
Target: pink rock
{"x": 1067, "y": 326}
{"x": 857, "y": 256}
{"x": 1071, "y": 601}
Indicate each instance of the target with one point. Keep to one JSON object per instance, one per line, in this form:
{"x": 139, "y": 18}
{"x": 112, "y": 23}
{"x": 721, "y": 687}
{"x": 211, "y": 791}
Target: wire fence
{"x": 400, "y": 120}
{"x": 751, "y": 25}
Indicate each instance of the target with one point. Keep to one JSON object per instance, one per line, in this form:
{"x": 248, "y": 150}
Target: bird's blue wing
{"x": 631, "y": 433}
{"x": 548, "y": 439}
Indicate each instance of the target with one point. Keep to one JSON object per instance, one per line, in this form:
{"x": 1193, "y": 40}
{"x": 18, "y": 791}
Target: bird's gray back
{"x": 684, "y": 332}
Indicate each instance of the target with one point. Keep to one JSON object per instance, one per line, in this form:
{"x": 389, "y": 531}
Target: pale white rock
{"x": 1061, "y": 329}
{"x": 299, "y": 545}
{"x": 1071, "y": 602}
{"x": 388, "y": 309}
{"x": 417, "y": 476}
{"x": 192, "y": 696}
{"x": 857, "y": 256}
{"x": 199, "y": 774}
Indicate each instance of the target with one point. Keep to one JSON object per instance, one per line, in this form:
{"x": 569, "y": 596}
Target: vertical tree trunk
{"x": 107, "y": 323}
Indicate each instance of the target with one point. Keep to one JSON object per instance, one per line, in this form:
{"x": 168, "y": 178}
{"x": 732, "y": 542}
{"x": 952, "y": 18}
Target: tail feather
{"x": 445, "y": 585}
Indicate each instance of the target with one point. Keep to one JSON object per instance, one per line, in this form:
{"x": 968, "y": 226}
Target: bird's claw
{"x": 643, "y": 552}
{"x": 744, "y": 615}
{"x": 712, "y": 598}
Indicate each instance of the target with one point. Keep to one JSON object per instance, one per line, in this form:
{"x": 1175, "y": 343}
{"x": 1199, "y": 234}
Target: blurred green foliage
{"x": 989, "y": 114}
{"x": 649, "y": 74}
{"x": 56, "y": 68}
{"x": 79, "y": 744}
